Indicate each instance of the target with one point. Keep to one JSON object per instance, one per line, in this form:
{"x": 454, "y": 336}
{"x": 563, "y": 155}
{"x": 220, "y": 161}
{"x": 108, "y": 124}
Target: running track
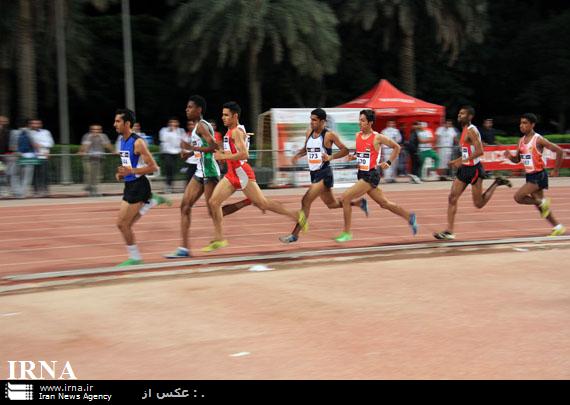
{"x": 72, "y": 234}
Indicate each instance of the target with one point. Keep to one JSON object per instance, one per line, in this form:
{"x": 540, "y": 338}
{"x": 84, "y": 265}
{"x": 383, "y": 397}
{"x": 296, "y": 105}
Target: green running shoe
{"x": 130, "y": 262}
{"x": 344, "y": 237}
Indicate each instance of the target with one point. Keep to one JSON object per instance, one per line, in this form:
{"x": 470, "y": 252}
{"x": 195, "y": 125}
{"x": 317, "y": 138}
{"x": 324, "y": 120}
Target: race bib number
{"x": 315, "y": 156}
{"x": 526, "y": 159}
{"x": 227, "y": 144}
{"x": 363, "y": 160}
{"x": 197, "y": 154}
{"x": 465, "y": 153}
{"x": 125, "y": 158}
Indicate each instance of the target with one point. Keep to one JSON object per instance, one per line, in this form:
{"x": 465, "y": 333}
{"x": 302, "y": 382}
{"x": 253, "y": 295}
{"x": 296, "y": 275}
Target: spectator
{"x": 446, "y": 143}
{"x": 390, "y": 132}
{"x": 26, "y": 149}
{"x": 426, "y": 140}
{"x": 170, "y": 138}
{"x": 412, "y": 148}
{"x": 147, "y": 138}
{"x": 44, "y": 142}
{"x": 5, "y": 152}
{"x": 488, "y": 132}
{"x": 93, "y": 145}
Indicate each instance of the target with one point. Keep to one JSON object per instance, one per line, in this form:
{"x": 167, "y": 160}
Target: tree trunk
{"x": 254, "y": 88}
{"x": 5, "y": 83}
{"x": 408, "y": 64}
{"x": 27, "y": 95}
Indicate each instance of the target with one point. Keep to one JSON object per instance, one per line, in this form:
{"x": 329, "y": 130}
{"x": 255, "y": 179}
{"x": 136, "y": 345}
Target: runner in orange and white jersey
{"x": 529, "y": 152}
{"x": 470, "y": 171}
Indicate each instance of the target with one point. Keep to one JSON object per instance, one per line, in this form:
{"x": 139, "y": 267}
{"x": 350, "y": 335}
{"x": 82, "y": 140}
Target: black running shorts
{"x": 373, "y": 176}
{"x": 325, "y": 174}
{"x": 137, "y": 191}
{"x": 538, "y": 178}
{"x": 470, "y": 174}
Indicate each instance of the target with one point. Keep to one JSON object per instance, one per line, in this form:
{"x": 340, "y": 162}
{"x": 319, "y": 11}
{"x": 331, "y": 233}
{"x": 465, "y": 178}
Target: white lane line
{"x": 279, "y": 256}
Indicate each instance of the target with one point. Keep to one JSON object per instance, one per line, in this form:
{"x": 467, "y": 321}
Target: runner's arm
{"x": 303, "y": 151}
{"x": 475, "y": 141}
{"x": 515, "y": 159}
{"x": 343, "y": 150}
{"x": 205, "y": 134}
{"x": 545, "y": 143}
{"x": 390, "y": 143}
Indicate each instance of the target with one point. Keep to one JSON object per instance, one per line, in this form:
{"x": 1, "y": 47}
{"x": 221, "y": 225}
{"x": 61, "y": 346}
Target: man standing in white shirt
{"x": 170, "y": 138}
{"x": 394, "y": 134}
{"x": 426, "y": 140}
{"x": 44, "y": 141}
{"x": 446, "y": 142}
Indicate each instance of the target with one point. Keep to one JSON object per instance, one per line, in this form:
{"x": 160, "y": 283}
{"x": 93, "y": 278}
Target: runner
{"x": 240, "y": 176}
{"x": 318, "y": 146}
{"x": 470, "y": 171}
{"x": 201, "y": 144}
{"x": 136, "y": 163}
{"x": 529, "y": 153}
{"x": 368, "y": 143}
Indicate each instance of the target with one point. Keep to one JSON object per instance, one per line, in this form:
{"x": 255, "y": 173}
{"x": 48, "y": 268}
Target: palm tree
{"x": 300, "y": 32}
{"x": 456, "y": 22}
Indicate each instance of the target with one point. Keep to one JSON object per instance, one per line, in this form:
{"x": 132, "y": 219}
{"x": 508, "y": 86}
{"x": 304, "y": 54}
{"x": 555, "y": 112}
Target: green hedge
{"x": 513, "y": 140}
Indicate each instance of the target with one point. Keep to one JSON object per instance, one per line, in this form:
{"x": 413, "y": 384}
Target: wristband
{"x": 389, "y": 162}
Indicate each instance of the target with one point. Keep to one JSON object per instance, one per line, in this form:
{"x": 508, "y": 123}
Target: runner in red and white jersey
{"x": 470, "y": 171}
{"x": 529, "y": 152}
{"x": 370, "y": 171}
{"x": 240, "y": 176}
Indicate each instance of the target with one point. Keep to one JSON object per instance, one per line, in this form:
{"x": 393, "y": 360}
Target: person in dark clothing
{"x": 412, "y": 148}
{"x": 488, "y": 132}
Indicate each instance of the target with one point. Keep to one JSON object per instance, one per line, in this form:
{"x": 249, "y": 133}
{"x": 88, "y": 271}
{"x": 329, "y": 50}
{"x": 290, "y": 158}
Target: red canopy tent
{"x": 390, "y": 103}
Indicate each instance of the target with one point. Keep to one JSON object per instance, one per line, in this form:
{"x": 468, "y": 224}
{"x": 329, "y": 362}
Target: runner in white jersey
{"x": 318, "y": 149}
{"x": 190, "y": 157}
{"x": 529, "y": 153}
{"x": 470, "y": 171}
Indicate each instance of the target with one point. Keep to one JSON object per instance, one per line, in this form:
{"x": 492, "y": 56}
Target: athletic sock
{"x": 558, "y": 227}
{"x": 147, "y": 206}
{"x": 542, "y": 202}
{"x": 134, "y": 252}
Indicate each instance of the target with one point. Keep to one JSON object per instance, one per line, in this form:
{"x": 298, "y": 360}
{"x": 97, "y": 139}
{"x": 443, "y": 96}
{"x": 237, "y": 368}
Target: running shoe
{"x": 215, "y": 245}
{"x": 289, "y": 238}
{"x": 445, "y": 235}
{"x": 161, "y": 200}
{"x": 180, "y": 253}
{"x": 302, "y": 221}
{"x": 545, "y": 207}
{"x": 130, "y": 262}
{"x": 364, "y": 205}
{"x": 503, "y": 181}
{"x": 558, "y": 230}
{"x": 344, "y": 237}
{"x": 413, "y": 223}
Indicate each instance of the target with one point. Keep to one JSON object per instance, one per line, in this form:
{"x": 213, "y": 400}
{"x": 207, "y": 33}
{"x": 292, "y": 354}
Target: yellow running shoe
{"x": 545, "y": 208}
{"x": 215, "y": 245}
{"x": 558, "y": 230}
{"x": 302, "y": 220}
